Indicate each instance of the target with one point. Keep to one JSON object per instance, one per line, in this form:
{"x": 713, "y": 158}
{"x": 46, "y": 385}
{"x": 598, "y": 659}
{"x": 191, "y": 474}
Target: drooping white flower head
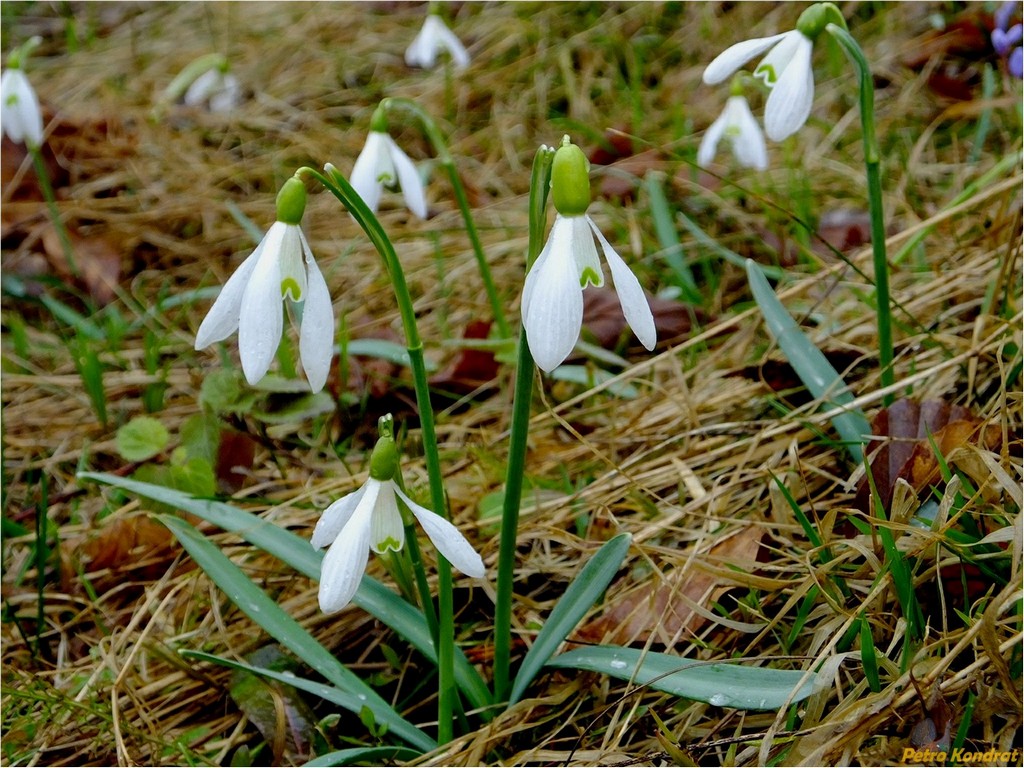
{"x": 20, "y": 116}
{"x": 369, "y": 518}
{"x": 786, "y": 69}
{"x": 433, "y": 38}
{"x": 739, "y": 128}
{"x": 282, "y": 267}
{"x": 552, "y": 303}
{"x": 216, "y": 89}
{"x": 382, "y": 163}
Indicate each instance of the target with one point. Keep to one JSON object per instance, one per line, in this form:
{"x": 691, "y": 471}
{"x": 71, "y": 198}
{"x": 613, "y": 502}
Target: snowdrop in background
{"x": 281, "y": 268}
{"x": 738, "y": 127}
{"x": 382, "y": 163}
{"x": 434, "y": 38}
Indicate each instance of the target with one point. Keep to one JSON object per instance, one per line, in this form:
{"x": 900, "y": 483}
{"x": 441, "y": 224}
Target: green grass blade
{"x": 256, "y": 604}
{"x": 297, "y": 552}
{"x": 716, "y": 683}
{"x": 810, "y": 364}
{"x": 672, "y": 249}
{"x": 368, "y": 755}
{"x": 584, "y": 591}
{"x": 713, "y": 245}
{"x": 868, "y": 656}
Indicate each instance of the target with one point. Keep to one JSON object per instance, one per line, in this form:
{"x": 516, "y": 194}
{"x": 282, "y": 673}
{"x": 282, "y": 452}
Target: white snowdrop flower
{"x": 220, "y": 91}
{"x": 740, "y": 129}
{"x": 552, "y": 303}
{"x": 20, "y": 116}
{"x": 282, "y": 267}
{"x": 433, "y": 38}
{"x": 369, "y": 518}
{"x": 382, "y": 163}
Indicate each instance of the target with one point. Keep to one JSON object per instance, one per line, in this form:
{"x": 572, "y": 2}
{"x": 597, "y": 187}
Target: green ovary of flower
{"x": 384, "y": 460}
{"x": 570, "y": 180}
{"x": 291, "y": 201}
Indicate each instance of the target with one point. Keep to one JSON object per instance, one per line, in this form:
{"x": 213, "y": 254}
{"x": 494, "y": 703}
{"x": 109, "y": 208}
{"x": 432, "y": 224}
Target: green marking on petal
{"x": 767, "y": 71}
{"x": 589, "y": 277}
{"x": 12, "y": 99}
{"x": 388, "y": 544}
{"x": 290, "y": 289}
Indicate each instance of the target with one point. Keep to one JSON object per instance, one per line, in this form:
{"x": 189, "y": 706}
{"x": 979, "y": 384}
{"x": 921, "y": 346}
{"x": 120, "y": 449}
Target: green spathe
{"x": 291, "y": 201}
{"x": 570, "y": 180}
{"x": 813, "y": 20}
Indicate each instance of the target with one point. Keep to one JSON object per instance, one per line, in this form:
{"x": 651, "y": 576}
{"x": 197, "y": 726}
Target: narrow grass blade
{"x": 810, "y": 364}
{"x": 383, "y": 350}
{"x": 584, "y": 591}
{"x": 716, "y": 683}
{"x": 368, "y": 755}
{"x": 256, "y": 604}
{"x": 868, "y": 657}
{"x": 730, "y": 256}
{"x": 672, "y": 249}
{"x": 297, "y": 552}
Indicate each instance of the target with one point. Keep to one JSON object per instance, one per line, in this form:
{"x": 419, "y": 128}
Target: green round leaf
{"x": 142, "y": 438}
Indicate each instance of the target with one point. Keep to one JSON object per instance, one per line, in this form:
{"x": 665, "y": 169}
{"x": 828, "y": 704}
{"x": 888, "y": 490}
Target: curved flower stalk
{"x": 786, "y": 69}
{"x": 369, "y": 518}
{"x": 433, "y": 38}
{"x": 739, "y": 128}
{"x": 282, "y": 267}
{"x": 552, "y": 303}
{"x": 382, "y": 163}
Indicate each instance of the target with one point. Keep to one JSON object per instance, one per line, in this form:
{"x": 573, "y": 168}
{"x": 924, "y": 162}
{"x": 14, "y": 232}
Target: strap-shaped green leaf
{"x": 814, "y": 370}
{"x": 581, "y": 595}
{"x": 717, "y": 683}
{"x": 256, "y": 604}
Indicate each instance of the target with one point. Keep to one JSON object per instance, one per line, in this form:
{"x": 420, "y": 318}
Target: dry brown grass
{"x": 683, "y": 467}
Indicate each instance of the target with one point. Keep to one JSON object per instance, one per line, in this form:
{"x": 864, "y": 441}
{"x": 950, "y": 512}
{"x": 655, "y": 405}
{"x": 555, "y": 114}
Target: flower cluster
{"x": 1006, "y": 38}
{"x": 785, "y": 70}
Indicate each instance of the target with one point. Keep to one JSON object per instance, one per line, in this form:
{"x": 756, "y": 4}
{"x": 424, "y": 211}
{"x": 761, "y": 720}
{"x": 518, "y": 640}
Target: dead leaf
{"x": 603, "y": 319}
{"x": 98, "y": 261}
{"x": 235, "y": 454}
{"x": 664, "y": 606}
{"x": 134, "y": 549}
{"x": 471, "y": 368}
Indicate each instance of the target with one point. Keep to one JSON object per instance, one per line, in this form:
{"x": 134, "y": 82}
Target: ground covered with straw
{"x": 755, "y": 537}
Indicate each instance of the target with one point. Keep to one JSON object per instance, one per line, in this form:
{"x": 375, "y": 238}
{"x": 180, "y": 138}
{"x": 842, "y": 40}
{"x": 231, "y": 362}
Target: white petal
{"x": 789, "y": 103}
{"x": 203, "y": 87}
{"x": 20, "y": 116}
{"x": 408, "y": 179}
{"x": 422, "y": 52}
{"x": 447, "y": 539}
{"x": 748, "y": 144}
{"x": 709, "y": 144}
{"x": 365, "y": 177}
{"x": 387, "y": 531}
{"x": 634, "y": 304}
{"x": 584, "y": 253}
{"x": 553, "y": 300}
{"x": 735, "y": 56}
{"x": 335, "y": 518}
{"x": 345, "y": 561}
{"x": 316, "y": 335}
{"x": 260, "y": 324}
{"x": 771, "y": 67}
{"x": 222, "y": 319}
{"x": 446, "y": 39}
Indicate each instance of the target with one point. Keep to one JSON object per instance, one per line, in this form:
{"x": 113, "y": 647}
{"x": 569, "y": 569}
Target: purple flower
{"x": 1006, "y": 39}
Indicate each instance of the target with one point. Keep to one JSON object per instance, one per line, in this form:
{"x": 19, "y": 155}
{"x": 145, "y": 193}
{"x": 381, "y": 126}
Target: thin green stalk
{"x": 338, "y": 185}
{"x": 871, "y": 163}
{"x": 445, "y": 157}
{"x": 522, "y": 396}
{"x": 51, "y": 205}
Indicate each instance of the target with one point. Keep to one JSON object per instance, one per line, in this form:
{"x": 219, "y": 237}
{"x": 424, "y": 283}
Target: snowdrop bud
{"x": 291, "y": 201}
{"x": 570, "y": 180}
{"x": 813, "y": 20}
{"x": 384, "y": 459}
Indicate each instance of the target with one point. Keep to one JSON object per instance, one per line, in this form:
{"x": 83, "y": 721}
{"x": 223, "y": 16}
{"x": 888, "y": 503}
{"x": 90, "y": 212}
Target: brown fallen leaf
{"x": 902, "y": 449}
{"x": 97, "y": 259}
{"x": 235, "y": 454}
{"x": 665, "y": 607}
{"x": 603, "y": 319}
{"x": 136, "y": 549}
{"x": 471, "y": 368}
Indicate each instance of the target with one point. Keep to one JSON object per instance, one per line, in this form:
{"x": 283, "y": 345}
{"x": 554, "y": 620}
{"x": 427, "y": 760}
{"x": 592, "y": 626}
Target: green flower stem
{"x": 51, "y": 205}
{"x": 444, "y": 156}
{"x": 523, "y": 394}
{"x": 871, "y": 163}
{"x": 338, "y": 185}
